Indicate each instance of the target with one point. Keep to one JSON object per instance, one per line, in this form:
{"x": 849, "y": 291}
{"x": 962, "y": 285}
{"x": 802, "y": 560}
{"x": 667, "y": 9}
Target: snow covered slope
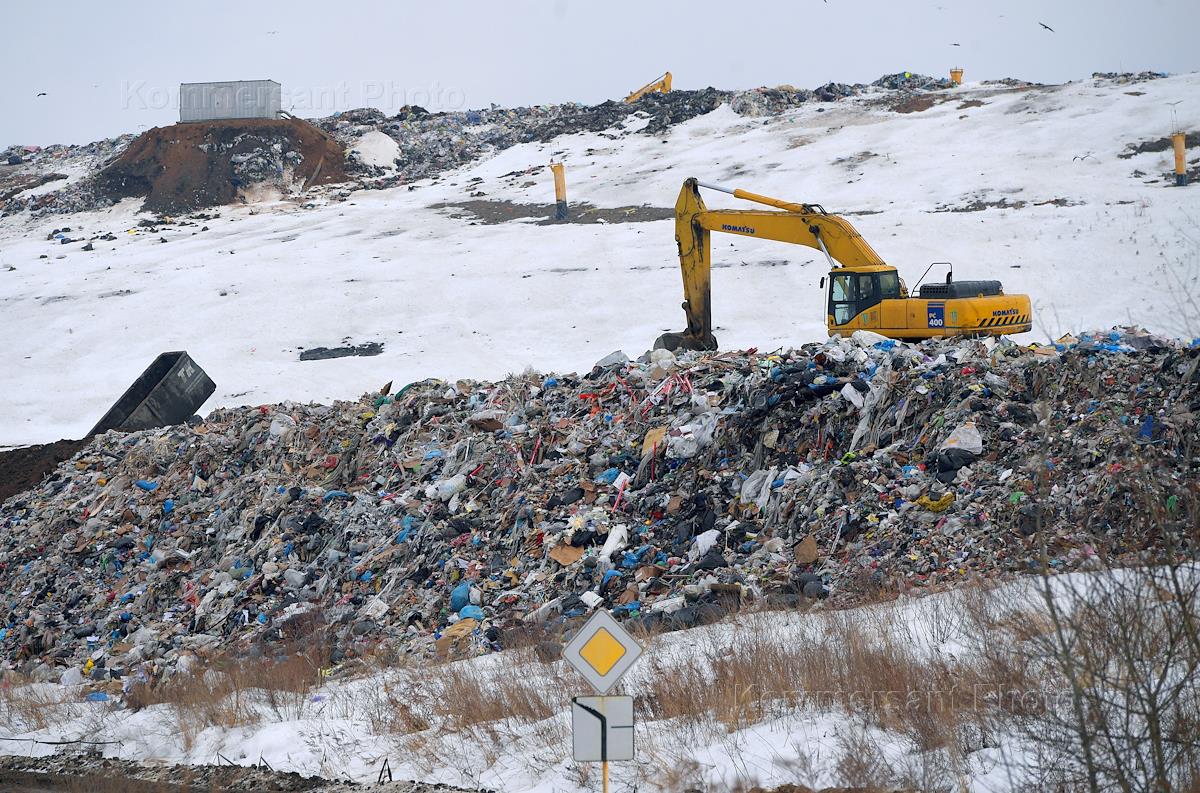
{"x": 344, "y": 728}
{"x": 1092, "y": 243}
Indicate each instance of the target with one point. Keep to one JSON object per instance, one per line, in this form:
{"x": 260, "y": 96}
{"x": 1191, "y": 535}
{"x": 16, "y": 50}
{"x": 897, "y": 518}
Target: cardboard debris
{"x": 806, "y": 550}
{"x": 566, "y": 554}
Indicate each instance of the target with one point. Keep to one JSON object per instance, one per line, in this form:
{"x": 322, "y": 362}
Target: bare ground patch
{"x": 496, "y": 211}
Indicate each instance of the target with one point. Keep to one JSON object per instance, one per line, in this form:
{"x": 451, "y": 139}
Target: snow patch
{"x": 376, "y": 149}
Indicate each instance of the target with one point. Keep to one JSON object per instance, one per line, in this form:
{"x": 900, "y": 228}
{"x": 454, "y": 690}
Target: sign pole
{"x": 604, "y": 753}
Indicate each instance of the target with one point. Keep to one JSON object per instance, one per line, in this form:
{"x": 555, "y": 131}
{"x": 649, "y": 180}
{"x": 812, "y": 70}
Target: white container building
{"x": 231, "y": 100}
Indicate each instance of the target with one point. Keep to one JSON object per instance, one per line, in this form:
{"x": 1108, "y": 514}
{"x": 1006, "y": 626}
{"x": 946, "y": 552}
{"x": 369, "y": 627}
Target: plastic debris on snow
{"x": 448, "y": 516}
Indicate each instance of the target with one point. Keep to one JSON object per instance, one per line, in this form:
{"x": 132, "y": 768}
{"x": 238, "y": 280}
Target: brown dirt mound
{"x": 914, "y": 104}
{"x": 22, "y": 469}
{"x": 185, "y": 167}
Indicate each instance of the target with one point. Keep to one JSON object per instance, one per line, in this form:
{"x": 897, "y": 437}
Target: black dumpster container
{"x": 170, "y": 391}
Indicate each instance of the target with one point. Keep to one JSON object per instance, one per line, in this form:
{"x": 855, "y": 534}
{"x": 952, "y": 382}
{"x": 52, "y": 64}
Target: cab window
{"x": 842, "y": 291}
{"x": 868, "y": 291}
{"x": 852, "y": 294}
{"x": 889, "y": 286}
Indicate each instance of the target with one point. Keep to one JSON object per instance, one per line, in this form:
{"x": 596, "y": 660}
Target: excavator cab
{"x": 853, "y": 292}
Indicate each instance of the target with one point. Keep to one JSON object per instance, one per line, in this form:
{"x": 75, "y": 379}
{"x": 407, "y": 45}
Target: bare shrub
{"x": 30, "y": 707}
{"x": 1108, "y": 662}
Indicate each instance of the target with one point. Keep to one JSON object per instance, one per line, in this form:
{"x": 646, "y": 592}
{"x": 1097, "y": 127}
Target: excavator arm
{"x": 662, "y": 84}
{"x": 799, "y": 224}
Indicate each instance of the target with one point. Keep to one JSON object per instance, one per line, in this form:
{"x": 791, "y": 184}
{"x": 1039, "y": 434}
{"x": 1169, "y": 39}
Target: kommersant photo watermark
{"x": 319, "y": 100}
{"x": 957, "y": 699}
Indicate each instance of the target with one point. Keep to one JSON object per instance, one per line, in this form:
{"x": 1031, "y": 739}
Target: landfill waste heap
{"x": 455, "y": 517}
{"x": 432, "y": 143}
{"x": 242, "y": 155}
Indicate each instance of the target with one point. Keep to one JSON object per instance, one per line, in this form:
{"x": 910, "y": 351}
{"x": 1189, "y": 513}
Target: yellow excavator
{"x": 863, "y": 293}
{"x": 662, "y": 84}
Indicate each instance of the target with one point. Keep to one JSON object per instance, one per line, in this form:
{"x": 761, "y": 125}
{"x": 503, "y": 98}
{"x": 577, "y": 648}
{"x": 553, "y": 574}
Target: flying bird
{"x": 43, "y": 93}
{"x": 1047, "y": 27}
{"x": 955, "y": 45}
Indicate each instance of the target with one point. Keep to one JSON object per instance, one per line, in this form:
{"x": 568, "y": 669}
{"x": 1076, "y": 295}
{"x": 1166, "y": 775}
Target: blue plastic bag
{"x": 461, "y": 596}
{"x": 471, "y": 612}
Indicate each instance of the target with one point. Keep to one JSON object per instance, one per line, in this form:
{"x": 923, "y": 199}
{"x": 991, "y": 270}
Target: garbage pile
{"x": 450, "y": 517}
{"x": 25, "y": 167}
{"x": 430, "y": 143}
{"x": 1124, "y": 78}
{"x": 908, "y": 81}
{"x": 177, "y": 168}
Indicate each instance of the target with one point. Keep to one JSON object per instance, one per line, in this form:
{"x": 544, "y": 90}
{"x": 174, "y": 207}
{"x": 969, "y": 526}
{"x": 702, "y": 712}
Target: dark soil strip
{"x": 22, "y": 469}
{"x": 1191, "y": 141}
{"x": 325, "y": 353}
{"x": 493, "y": 212}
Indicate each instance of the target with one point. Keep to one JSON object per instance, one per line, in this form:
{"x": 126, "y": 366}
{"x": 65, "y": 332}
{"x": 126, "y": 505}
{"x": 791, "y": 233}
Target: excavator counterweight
{"x": 863, "y": 292}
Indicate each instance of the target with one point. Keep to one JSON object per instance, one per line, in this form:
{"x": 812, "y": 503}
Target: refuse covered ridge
{"x": 219, "y": 159}
{"x": 448, "y": 516}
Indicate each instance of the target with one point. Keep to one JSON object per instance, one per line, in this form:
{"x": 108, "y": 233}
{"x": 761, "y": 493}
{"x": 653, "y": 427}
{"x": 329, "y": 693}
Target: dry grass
{"x": 835, "y": 661}
{"x": 703, "y": 687}
{"x": 467, "y": 697}
{"x": 231, "y": 692}
{"x": 30, "y": 707}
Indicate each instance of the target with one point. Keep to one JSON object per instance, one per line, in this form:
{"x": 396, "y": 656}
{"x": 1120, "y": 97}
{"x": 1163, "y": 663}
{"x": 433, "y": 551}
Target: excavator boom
{"x": 662, "y": 84}
{"x": 865, "y": 292}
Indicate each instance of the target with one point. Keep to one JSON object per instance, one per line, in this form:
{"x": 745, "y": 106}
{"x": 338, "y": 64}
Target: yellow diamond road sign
{"x": 602, "y": 651}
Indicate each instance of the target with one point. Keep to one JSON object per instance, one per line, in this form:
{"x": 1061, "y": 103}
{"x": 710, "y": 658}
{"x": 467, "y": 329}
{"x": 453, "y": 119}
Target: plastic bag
{"x": 460, "y": 596}
{"x": 688, "y": 440}
{"x": 703, "y": 544}
{"x": 965, "y": 436}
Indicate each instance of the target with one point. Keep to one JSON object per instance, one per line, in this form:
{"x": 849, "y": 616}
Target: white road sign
{"x": 602, "y": 651}
{"x": 602, "y": 728}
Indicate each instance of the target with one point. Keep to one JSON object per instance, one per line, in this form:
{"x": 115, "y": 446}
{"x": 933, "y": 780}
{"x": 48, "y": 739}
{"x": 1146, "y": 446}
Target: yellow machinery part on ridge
{"x": 662, "y": 85}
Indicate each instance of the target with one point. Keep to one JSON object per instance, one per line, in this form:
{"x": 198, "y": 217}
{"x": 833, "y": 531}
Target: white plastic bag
{"x": 618, "y": 538}
{"x": 852, "y": 395}
{"x": 703, "y": 543}
{"x": 965, "y": 436}
{"x": 687, "y": 441}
